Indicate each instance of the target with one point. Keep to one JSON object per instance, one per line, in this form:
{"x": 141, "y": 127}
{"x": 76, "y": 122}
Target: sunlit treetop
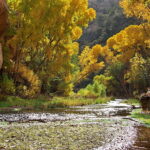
{"x": 93, "y": 59}
{"x": 137, "y": 8}
{"x": 129, "y": 41}
{"x": 48, "y": 22}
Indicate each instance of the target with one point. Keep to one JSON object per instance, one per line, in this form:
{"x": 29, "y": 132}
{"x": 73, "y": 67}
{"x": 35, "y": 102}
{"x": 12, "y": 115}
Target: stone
{"x": 3, "y": 24}
{"x": 145, "y": 101}
{"x": 3, "y": 16}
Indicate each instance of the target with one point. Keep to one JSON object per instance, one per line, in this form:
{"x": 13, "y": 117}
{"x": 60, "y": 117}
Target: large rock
{"x": 3, "y": 16}
{"x": 145, "y": 101}
{"x": 3, "y": 24}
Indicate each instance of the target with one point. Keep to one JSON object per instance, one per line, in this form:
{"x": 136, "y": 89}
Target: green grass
{"x": 56, "y": 102}
{"x": 72, "y": 101}
{"x": 11, "y": 101}
{"x": 143, "y": 118}
{"x": 132, "y": 101}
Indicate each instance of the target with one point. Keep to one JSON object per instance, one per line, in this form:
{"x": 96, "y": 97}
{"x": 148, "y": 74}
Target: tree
{"x": 133, "y": 39}
{"x": 42, "y": 40}
{"x": 138, "y": 74}
{"x": 92, "y": 60}
{"x": 136, "y": 8}
{"x": 121, "y": 48}
{"x": 117, "y": 85}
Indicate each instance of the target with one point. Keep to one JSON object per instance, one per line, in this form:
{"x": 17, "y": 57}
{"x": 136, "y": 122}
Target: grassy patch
{"x": 11, "y": 101}
{"x": 143, "y": 118}
{"x": 56, "y": 102}
{"x": 72, "y": 101}
{"x": 132, "y": 101}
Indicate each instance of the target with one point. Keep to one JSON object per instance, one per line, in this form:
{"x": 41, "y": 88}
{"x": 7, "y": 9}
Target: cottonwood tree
{"x": 42, "y": 41}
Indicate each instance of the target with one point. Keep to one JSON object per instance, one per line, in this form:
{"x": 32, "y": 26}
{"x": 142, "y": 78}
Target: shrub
{"x": 7, "y": 85}
{"x": 93, "y": 90}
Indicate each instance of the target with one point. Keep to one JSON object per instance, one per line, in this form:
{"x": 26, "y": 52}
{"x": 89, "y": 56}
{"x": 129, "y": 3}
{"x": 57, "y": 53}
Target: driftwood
{"x": 145, "y": 101}
{"x": 3, "y": 24}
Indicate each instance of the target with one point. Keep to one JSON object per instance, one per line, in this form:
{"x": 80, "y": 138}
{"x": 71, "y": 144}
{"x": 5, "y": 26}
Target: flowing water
{"x": 93, "y": 127}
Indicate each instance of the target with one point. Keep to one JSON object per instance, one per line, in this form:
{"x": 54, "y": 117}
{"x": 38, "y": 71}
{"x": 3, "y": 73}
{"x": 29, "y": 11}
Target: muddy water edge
{"x": 97, "y": 127}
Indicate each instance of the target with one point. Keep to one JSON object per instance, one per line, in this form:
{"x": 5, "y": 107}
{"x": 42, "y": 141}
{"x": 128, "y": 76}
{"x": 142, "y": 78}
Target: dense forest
{"x": 109, "y": 20}
{"x": 42, "y": 52}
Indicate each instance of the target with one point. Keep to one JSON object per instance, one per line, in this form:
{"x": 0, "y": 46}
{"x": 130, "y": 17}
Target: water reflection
{"x": 142, "y": 139}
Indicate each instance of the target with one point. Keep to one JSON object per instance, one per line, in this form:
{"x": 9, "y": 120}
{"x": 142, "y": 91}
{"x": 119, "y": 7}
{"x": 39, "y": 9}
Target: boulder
{"x": 3, "y": 24}
{"x": 3, "y": 16}
{"x": 145, "y": 101}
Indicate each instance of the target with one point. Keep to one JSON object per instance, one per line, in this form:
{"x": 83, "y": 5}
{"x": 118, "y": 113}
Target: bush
{"x": 7, "y": 85}
{"x": 93, "y": 90}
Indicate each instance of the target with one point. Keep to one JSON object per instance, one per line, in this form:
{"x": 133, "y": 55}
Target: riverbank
{"x": 137, "y": 113}
{"x": 141, "y": 117}
{"x": 132, "y": 101}
{"x": 78, "y": 134}
{"x": 96, "y": 127}
{"x": 16, "y": 103}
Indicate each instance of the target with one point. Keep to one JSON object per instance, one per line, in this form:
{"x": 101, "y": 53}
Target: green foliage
{"x": 42, "y": 103}
{"x": 102, "y": 79}
{"x": 6, "y": 58}
{"x": 12, "y": 102}
{"x": 116, "y": 86}
{"x": 78, "y": 101}
{"x": 7, "y": 85}
{"x": 143, "y": 118}
{"x": 138, "y": 74}
{"x": 56, "y": 86}
{"x": 93, "y": 90}
{"x": 116, "y": 70}
{"x": 132, "y": 102}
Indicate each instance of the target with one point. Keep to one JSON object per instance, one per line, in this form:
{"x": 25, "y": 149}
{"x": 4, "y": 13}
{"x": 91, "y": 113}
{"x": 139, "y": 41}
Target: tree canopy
{"x": 41, "y": 50}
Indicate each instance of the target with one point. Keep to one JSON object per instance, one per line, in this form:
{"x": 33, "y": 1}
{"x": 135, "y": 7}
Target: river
{"x": 93, "y": 127}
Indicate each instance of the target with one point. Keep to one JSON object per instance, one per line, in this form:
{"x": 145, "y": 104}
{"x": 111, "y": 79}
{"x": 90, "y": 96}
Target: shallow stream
{"x": 93, "y": 127}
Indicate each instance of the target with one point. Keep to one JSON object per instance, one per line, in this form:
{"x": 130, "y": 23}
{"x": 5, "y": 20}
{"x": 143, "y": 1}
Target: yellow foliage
{"x": 45, "y": 33}
{"x": 91, "y": 13}
{"x": 129, "y": 41}
{"x": 137, "y": 8}
{"x": 76, "y": 33}
{"x": 90, "y": 61}
{"x": 29, "y": 76}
